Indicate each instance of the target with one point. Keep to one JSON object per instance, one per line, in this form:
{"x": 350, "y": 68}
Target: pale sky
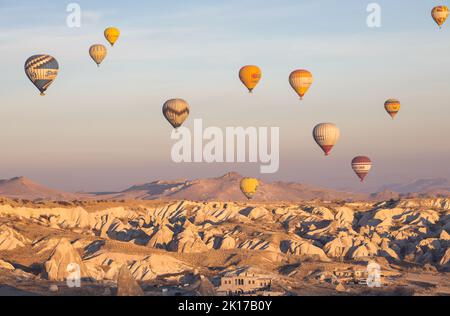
{"x": 102, "y": 129}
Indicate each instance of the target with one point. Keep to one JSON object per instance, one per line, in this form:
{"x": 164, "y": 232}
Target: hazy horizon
{"x": 102, "y": 129}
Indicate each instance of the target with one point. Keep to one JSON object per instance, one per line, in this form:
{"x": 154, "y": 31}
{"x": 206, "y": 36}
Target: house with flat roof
{"x": 243, "y": 283}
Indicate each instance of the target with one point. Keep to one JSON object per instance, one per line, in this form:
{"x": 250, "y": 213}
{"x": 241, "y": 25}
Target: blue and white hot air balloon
{"x": 42, "y": 71}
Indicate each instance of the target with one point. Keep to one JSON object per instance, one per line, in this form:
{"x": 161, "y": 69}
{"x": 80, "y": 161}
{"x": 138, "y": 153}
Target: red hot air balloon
{"x": 361, "y": 165}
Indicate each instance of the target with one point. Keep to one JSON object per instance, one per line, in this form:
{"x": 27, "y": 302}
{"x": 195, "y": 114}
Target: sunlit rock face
{"x": 170, "y": 240}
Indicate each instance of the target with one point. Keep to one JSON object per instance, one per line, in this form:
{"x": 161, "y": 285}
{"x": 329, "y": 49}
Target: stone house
{"x": 243, "y": 283}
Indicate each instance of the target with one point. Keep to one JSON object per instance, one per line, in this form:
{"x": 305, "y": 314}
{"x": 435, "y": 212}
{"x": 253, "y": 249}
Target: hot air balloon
{"x": 98, "y": 53}
{"x": 249, "y": 186}
{"x": 176, "y": 111}
{"x": 300, "y": 81}
{"x": 440, "y": 14}
{"x": 250, "y": 76}
{"x": 392, "y": 106}
{"x": 361, "y": 165}
{"x": 326, "y": 136}
{"x": 42, "y": 70}
{"x": 112, "y": 34}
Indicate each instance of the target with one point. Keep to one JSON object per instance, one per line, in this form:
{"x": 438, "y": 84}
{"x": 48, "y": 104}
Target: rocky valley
{"x": 190, "y": 248}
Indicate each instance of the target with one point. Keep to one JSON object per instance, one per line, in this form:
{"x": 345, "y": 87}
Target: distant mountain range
{"x": 24, "y": 188}
{"x": 224, "y": 188}
{"x": 433, "y": 186}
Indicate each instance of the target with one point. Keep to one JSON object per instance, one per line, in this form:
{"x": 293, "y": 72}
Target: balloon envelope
{"x": 42, "y": 70}
{"x": 249, "y": 186}
{"x": 176, "y": 111}
{"x": 440, "y": 14}
{"x": 361, "y": 165}
{"x": 326, "y": 136}
{"x": 250, "y": 76}
{"x": 301, "y": 80}
{"x": 392, "y": 106}
{"x": 112, "y": 35}
{"x": 98, "y": 53}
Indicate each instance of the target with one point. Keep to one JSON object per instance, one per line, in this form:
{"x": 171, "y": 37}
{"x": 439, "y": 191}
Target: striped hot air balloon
{"x": 250, "y": 76}
{"x": 300, "y": 81}
{"x": 176, "y": 111}
{"x": 42, "y": 70}
{"x": 440, "y": 14}
{"x": 361, "y": 165}
{"x": 98, "y": 52}
{"x": 249, "y": 186}
{"x": 392, "y": 106}
{"x": 326, "y": 136}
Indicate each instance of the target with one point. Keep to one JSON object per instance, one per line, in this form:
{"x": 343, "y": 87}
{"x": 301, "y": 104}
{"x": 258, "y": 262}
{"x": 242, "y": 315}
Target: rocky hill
{"x": 24, "y": 188}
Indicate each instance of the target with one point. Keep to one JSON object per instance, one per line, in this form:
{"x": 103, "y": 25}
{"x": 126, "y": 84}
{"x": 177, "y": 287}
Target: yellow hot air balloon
{"x": 392, "y": 106}
{"x": 300, "y": 81}
{"x": 176, "y": 111}
{"x": 440, "y": 14}
{"x": 249, "y": 186}
{"x": 326, "y": 136}
{"x": 250, "y": 76}
{"x": 112, "y": 34}
{"x": 98, "y": 53}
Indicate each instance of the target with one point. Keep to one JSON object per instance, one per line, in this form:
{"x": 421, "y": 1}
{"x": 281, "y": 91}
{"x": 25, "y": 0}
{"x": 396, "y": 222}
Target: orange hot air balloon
{"x": 326, "y": 136}
{"x": 301, "y": 80}
{"x": 98, "y": 52}
{"x": 250, "y": 76}
{"x": 392, "y": 106}
{"x": 440, "y": 15}
{"x": 361, "y": 165}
